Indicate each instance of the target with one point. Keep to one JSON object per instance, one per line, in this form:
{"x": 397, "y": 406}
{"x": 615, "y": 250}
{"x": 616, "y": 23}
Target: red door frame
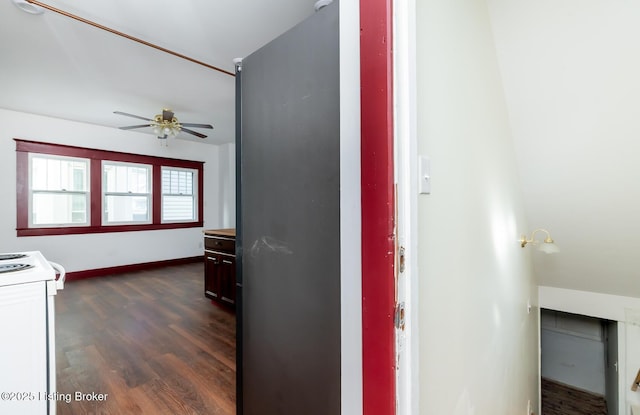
{"x": 378, "y": 208}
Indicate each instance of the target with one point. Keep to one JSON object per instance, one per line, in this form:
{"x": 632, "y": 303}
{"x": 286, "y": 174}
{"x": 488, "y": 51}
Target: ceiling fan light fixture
{"x": 165, "y": 124}
{"x": 163, "y": 127}
{"x": 27, "y": 7}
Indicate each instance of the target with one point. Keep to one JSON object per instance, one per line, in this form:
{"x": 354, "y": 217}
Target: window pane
{"x": 59, "y": 209}
{"x": 177, "y": 208}
{"x": 178, "y": 201}
{"x": 121, "y": 178}
{"x": 177, "y": 182}
{"x": 126, "y": 209}
{"x": 39, "y": 173}
{"x": 58, "y": 174}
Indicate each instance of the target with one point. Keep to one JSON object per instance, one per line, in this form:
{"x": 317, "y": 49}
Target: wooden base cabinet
{"x": 220, "y": 266}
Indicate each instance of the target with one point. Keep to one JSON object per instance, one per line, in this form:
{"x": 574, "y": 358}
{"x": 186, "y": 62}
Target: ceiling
{"x": 56, "y": 66}
{"x": 571, "y": 76}
{"x": 569, "y": 68}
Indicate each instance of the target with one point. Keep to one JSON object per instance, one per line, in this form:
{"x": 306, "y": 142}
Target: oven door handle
{"x": 60, "y": 270}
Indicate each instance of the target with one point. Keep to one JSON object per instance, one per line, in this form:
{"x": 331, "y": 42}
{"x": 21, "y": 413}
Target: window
{"x": 73, "y": 190}
{"x": 178, "y": 195}
{"x": 59, "y": 193}
{"x": 127, "y": 193}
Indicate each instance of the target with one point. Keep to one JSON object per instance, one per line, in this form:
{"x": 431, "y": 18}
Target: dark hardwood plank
{"x": 561, "y": 399}
{"x": 150, "y": 340}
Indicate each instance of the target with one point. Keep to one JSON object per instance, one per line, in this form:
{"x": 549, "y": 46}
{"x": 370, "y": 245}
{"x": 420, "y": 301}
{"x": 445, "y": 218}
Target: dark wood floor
{"x": 560, "y": 399}
{"x": 150, "y": 340}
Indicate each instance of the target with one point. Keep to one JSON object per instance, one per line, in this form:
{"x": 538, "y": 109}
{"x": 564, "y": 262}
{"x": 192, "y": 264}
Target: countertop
{"x": 230, "y": 232}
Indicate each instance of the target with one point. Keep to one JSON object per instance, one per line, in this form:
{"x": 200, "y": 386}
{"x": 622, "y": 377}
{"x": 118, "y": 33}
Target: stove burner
{"x": 4, "y": 257}
{"x": 14, "y": 267}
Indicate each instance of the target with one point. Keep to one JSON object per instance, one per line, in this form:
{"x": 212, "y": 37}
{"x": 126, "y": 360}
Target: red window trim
{"x": 24, "y": 147}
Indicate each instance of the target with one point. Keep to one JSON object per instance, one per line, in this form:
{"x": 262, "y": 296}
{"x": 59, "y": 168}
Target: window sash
{"x": 120, "y": 205}
{"x": 52, "y": 175}
{"x": 124, "y": 209}
{"x": 179, "y": 190}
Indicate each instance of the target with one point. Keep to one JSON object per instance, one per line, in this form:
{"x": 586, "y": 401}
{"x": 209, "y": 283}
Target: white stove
{"x": 28, "y": 285}
{"x": 24, "y": 267}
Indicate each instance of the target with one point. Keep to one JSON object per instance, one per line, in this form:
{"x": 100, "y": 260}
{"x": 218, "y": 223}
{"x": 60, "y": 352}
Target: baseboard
{"x": 121, "y": 269}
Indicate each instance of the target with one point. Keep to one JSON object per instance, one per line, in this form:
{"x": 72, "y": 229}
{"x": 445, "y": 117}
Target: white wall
{"x": 226, "y": 198}
{"x": 570, "y": 71}
{"x": 478, "y": 344}
{"x": 83, "y": 252}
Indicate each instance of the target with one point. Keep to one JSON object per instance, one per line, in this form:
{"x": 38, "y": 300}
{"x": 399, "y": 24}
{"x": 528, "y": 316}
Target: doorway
{"x": 579, "y": 364}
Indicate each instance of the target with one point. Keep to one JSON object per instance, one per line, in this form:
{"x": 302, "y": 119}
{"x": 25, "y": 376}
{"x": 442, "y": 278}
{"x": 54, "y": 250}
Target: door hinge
{"x": 401, "y": 259}
{"x": 399, "y": 316}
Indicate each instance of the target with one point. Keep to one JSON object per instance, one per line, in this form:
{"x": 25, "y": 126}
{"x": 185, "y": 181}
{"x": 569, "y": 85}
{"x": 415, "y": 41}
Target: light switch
{"x": 424, "y": 172}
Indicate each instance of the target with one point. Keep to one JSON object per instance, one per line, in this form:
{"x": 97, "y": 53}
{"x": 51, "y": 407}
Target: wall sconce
{"x": 547, "y": 246}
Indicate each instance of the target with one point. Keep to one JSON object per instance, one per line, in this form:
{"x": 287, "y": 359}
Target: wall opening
{"x": 579, "y": 364}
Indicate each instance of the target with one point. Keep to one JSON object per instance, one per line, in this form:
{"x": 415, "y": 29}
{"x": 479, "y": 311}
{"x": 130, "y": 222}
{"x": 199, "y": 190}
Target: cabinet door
{"x": 227, "y": 282}
{"x": 211, "y": 271}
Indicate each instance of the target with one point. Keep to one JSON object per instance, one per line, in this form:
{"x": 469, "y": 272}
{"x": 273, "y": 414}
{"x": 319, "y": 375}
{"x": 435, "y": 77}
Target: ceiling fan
{"x": 165, "y": 124}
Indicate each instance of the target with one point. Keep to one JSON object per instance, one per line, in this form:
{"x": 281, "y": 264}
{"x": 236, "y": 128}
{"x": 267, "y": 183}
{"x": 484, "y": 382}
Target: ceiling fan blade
{"x": 131, "y": 115}
{"x": 190, "y": 124}
{"x": 131, "y": 127}
{"x": 167, "y": 115}
{"x": 197, "y": 134}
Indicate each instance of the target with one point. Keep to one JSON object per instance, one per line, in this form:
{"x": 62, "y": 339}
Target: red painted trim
{"x": 23, "y": 147}
{"x": 95, "y": 181}
{"x": 378, "y": 208}
{"x": 79, "y": 230}
{"x": 22, "y": 190}
{"x": 73, "y": 151}
{"x": 200, "y": 196}
{"x": 100, "y": 272}
{"x": 156, "y": 181}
